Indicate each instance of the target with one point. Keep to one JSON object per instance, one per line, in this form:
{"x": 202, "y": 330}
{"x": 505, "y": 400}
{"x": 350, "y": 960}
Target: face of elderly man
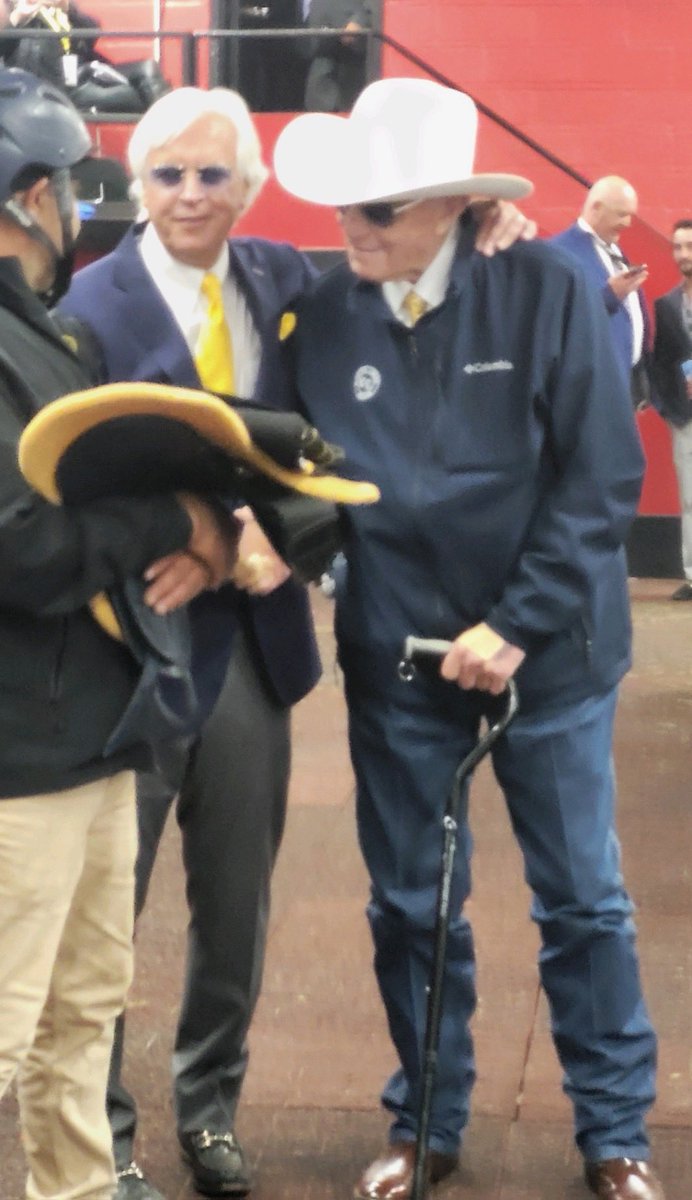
{"x": 406, "y": 247}
{"x": 193, "y": 217}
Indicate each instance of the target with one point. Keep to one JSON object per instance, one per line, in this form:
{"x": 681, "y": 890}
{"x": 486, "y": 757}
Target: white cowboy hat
{"x": 405, "y": 139}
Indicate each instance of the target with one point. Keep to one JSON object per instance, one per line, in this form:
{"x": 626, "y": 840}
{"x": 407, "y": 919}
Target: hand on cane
{"x": 480, "y": 658}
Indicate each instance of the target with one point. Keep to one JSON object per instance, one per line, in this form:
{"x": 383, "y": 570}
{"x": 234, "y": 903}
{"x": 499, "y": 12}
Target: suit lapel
{"x": 259, "y": 289}
{"x": 164, "y": 355}
{"x": 256, "y": 285}
{"x": 588, "y": 241}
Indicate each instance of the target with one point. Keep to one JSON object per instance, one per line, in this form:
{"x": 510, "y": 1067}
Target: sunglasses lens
{"x": 169, "y": 177}
{"x": 382, "y": 215}
{"x": 172, "y": 177}
{"x": 213, "y": 176}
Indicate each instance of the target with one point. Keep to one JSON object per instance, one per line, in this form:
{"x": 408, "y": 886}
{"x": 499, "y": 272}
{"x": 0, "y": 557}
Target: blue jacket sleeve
{"x": 610, "y": 300}
{"x": 585, "y": 509}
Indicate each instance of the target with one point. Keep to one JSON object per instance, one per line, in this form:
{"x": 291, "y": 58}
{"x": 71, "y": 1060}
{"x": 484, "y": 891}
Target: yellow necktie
{"x": 414, "y": 306}
{"x": 214, "y": 351}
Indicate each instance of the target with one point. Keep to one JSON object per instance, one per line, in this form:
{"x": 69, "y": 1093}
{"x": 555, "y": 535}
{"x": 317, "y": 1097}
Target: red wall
{"x": 605, "y": 84}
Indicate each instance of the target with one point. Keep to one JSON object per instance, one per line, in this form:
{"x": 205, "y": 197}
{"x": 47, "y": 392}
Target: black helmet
{"x": 39, "y": 127}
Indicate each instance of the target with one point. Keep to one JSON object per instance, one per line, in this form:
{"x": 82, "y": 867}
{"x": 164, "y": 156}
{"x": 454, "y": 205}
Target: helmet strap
{"x": 62, "y": 261}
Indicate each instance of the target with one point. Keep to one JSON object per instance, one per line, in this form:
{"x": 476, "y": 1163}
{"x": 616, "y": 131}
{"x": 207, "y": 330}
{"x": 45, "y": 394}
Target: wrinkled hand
{"x": 501, "y": 224}
{"x": 214, "y": 538}
{"x": 259, "y": 570}
{"x": 481, "y": 659}
{"x": 207, "y": 561}
{"x": 626, "y": 282}
{"x": 174, "y": 581}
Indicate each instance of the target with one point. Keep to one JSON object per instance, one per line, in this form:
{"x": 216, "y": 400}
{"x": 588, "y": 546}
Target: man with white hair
{"x": 483, "y": 397}
{"x": 196, "y": 162}
{"x": 594, "y": 240}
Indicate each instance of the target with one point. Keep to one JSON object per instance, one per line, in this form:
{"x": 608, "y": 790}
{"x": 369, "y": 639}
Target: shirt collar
{"x": 609, "y": 247}
{"x": 162, "y": 265}
{"x": 432, "y": 284}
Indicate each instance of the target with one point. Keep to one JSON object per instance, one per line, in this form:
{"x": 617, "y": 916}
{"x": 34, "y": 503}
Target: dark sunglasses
{"x": 382, "y": 215}
{"x": 172, "y": 177}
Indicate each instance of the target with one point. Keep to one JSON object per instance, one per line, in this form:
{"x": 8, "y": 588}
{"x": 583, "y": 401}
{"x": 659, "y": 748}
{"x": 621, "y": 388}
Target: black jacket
{"x": 63, "y": 682}
{"x": 672, "y": 345}
{"x": 337, "y": 71}
{"x": 43, "y": 56}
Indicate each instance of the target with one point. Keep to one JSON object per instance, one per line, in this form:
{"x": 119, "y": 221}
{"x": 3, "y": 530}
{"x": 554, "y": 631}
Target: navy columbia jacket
{"x": 501, "y": 434}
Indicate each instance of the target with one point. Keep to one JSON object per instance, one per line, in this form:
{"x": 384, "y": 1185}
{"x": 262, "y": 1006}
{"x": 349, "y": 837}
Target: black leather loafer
{"x": 217, "y": 1163}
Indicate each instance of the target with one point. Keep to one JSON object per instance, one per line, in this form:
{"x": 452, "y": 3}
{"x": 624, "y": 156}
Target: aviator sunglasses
{"x": 172, "y": 177}
{"x": 383, "y": 214}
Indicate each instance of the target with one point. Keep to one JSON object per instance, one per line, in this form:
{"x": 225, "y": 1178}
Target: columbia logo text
{"x": 480, "y": 368}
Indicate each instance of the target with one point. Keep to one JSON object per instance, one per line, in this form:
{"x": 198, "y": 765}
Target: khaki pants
{"x": 66, "y": 916}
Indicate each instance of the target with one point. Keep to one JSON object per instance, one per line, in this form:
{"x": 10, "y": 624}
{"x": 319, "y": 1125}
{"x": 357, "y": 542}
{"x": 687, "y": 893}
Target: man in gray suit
{"x": 196, "y": 158}
{"x": 673, "y": 381}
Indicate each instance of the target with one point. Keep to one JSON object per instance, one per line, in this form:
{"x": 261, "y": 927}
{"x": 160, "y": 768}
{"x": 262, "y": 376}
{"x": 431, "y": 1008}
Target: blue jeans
{"x": 555, "y": 769}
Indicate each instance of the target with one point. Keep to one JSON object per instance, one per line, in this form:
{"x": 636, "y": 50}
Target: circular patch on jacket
{"x": 366, "y": 383}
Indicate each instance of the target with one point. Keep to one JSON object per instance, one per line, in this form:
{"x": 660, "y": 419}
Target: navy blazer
{"x": 140, "y": 340}
{"x": 579, "y": 244}
{"x": 672, "y": 345}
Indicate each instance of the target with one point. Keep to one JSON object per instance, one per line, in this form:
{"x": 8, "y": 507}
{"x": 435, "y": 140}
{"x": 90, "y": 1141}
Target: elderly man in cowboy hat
{"x": 482, "y": 395}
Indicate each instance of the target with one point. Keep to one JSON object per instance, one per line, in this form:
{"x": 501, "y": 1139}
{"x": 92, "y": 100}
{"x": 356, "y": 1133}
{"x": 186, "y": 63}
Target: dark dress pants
{"x": 231, "y": 786}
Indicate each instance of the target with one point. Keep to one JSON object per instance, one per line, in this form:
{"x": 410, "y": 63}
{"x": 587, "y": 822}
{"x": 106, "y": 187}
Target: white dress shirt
{"x": 432, "y": 284}
{"x": 632, "y": 302}
{"x": 180, "y": 285}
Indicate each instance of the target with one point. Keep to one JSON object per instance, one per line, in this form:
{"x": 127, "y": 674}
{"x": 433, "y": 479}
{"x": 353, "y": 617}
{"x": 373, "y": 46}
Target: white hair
{"x": 175, "y": 111}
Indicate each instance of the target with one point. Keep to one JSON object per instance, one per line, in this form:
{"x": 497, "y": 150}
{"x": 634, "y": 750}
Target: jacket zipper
{"x": 56, "y": 676}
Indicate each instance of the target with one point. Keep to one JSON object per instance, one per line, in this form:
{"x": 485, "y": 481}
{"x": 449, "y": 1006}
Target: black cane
{"x": 417, "y": 650}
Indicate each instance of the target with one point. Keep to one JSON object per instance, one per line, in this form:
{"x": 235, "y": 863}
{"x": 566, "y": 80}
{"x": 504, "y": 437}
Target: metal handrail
{"x": 503, "y": 123}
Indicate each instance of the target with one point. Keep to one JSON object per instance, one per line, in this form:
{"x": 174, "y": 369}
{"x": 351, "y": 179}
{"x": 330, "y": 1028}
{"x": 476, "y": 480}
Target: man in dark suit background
{"x": 673, "y": 383}
{"x": 336, "y": 73}
{"x": 195, "y": 157}
{"x": 271, "y": 70}
{"x": 594, "y": 240}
